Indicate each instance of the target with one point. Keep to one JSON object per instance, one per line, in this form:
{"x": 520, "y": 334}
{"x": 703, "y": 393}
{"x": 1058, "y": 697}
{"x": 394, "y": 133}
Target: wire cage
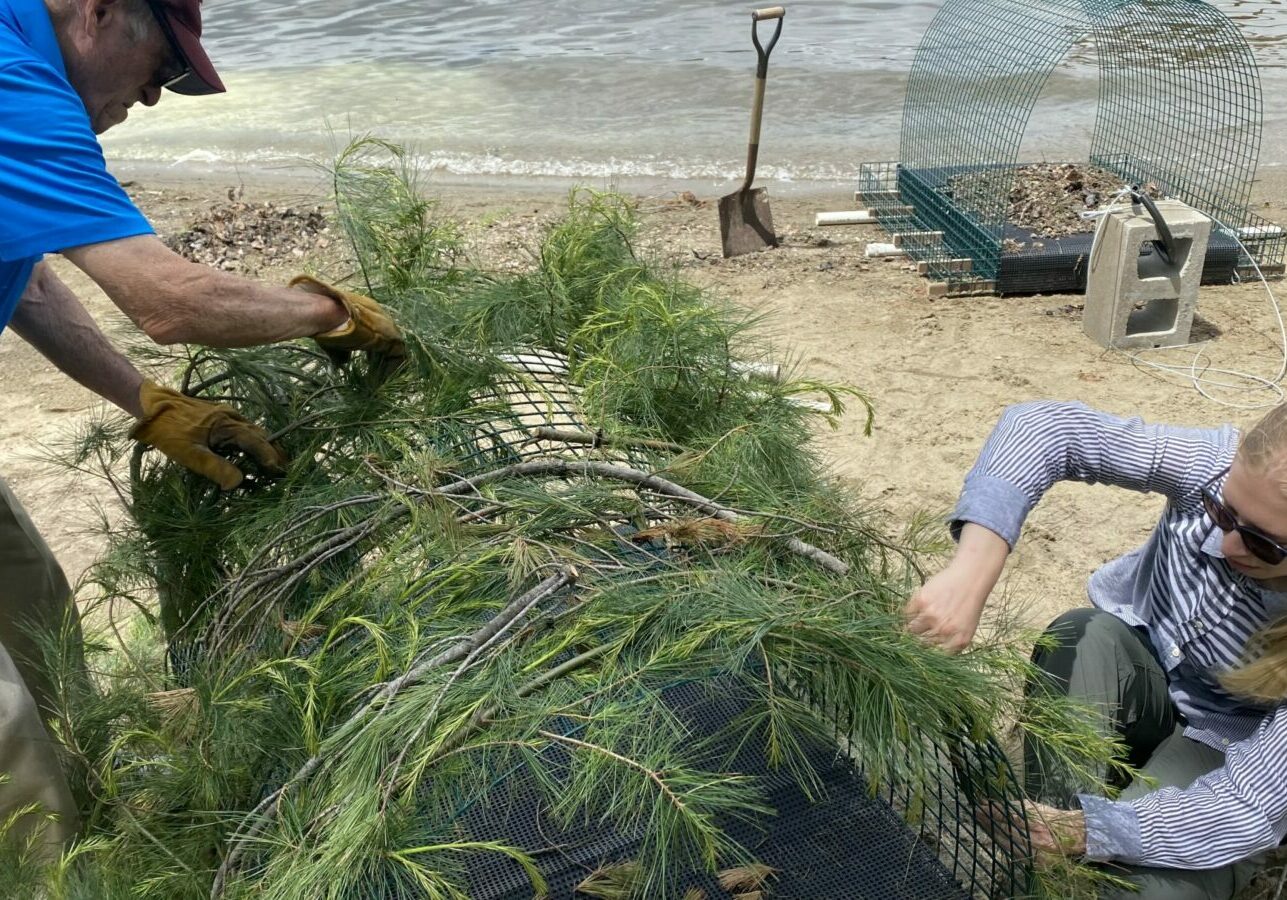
{"x": 1179, "y": 109}
{"x": 914, "y": 831}
{"x": 922, "y": 822}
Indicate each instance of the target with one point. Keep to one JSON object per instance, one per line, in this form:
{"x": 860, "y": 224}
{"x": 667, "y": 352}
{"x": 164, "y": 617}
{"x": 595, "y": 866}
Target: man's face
{"x": 109, "y": 68}
{"x": 1258, "y": 497}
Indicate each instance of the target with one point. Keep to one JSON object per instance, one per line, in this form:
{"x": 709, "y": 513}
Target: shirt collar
{"x": 1275, "y": 601}
{"x": 1211, "y": 545}
{"x": 37, "y": 30}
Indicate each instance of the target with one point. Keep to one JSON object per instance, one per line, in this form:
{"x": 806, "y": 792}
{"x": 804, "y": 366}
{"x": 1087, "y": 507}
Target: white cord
{"x": 1196, "y": 371}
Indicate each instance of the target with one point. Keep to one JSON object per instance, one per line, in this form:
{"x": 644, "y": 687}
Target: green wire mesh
{"x": 1179, "y": 106}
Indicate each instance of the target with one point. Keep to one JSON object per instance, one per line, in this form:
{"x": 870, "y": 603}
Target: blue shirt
{"x": 55, "y": 190}
{"x": 1197, "y": 610}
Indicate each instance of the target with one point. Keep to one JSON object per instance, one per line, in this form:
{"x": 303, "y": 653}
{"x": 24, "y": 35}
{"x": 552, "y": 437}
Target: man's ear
{"x": 96, "y": 16}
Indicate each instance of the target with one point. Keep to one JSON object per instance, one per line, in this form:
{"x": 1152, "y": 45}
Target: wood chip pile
{"x": 1046, "y": 198}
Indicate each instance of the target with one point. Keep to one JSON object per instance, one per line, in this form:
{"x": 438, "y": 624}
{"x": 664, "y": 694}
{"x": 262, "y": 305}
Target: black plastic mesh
{"x": 850, "y": 843}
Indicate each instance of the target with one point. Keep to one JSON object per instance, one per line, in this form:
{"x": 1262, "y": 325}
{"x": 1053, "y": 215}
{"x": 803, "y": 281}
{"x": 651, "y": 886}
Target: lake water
{"x": 591, "y": 90}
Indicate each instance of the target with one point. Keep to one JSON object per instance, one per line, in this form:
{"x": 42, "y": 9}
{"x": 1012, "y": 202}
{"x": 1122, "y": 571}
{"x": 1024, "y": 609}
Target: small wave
{"x": 492, "y": 165}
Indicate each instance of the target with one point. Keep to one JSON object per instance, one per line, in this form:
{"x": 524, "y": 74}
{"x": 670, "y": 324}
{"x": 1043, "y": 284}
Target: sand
{"x": 938, "y": 371}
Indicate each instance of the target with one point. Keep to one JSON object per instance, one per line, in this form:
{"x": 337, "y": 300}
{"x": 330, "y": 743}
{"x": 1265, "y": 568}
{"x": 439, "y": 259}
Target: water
{"x": 591, "y": 90}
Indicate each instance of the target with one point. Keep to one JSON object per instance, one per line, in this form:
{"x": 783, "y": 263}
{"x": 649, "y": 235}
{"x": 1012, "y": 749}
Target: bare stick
{"x": 599, "y": 439}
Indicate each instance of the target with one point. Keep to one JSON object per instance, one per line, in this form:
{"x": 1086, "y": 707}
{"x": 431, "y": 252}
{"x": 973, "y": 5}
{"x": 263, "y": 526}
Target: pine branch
{"x": 641, "y": 479}
{"x": 264, "y": 814}
{"x": 223, "y": 628}
{"x": 655, "y": 777}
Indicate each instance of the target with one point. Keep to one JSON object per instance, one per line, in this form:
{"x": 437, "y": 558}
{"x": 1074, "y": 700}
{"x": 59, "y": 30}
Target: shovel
{"x": 745, "y": 223}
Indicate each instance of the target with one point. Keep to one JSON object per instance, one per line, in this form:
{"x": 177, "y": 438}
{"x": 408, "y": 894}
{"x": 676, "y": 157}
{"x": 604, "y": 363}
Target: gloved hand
{"x": 189, "y": 431}
{"x": 369, "y": 328}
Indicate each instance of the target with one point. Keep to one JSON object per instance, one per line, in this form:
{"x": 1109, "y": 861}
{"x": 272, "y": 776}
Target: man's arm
{"x": 175, "y": 301}
{"x": 51, "y": 318}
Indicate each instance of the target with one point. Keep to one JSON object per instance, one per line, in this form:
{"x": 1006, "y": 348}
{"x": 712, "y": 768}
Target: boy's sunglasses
{"x": 176, "y": 68}
{"x": 1259, "y": 544}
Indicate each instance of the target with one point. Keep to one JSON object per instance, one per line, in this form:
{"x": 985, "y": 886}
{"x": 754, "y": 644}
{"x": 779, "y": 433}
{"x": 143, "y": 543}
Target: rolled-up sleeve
{"x": 1226, "y": 815}
{"x": 1035, "y": 445}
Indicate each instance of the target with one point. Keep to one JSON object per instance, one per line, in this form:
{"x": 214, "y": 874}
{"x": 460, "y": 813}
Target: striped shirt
{"x": 1196, "y": 609}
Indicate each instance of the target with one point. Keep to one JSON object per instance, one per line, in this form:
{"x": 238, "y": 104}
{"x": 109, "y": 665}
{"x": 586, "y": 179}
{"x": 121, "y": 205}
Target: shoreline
{"x": 1268, "y": 190}
{"x": 305, "y": 174}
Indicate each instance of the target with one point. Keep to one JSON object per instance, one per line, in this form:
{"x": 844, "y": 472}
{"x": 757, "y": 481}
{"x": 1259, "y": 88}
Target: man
{"x": 69, "y": 70}
{"x": 1160, "y": 654}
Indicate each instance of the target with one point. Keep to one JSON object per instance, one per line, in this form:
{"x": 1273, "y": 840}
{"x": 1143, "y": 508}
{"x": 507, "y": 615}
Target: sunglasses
{"x": 1258, "y": 544}
{"x": 175, "y": 69}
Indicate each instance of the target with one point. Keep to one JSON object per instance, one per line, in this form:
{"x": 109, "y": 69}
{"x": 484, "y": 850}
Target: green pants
{"x": 1097, "y": 658}
{"x": 34, "y": 598}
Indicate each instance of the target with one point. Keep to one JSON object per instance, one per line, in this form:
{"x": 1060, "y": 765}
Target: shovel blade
{"x": 745, "y": 223}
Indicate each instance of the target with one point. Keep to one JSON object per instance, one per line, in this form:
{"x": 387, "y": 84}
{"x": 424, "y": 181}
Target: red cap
{"x": 181, "y": 22}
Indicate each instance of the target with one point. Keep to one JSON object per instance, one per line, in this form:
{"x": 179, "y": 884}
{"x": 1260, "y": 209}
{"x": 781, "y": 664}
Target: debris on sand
{"x": 1045, "y": 198}
{"x": 241, "y": 236}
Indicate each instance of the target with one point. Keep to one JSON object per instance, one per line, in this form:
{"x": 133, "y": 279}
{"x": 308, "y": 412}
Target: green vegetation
{"x": 344, "y": 657}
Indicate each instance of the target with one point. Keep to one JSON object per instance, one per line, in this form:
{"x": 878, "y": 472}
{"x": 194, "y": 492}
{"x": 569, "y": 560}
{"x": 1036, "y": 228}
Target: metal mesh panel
{"x": 1179, "y": 106}
{"x": 534, "y": 394}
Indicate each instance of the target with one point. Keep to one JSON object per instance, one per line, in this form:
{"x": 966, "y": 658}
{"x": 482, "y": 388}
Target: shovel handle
{"x": 761, "y": 73}
{"x": 763, "y": 15}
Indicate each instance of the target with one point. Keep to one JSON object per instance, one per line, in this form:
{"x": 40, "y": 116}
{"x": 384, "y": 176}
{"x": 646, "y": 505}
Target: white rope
{"x": 1197, "y": 371}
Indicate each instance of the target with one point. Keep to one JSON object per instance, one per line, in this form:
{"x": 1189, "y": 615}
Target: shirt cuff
{"x": 994, "y": 503}
{"x": 1112, "y": 830}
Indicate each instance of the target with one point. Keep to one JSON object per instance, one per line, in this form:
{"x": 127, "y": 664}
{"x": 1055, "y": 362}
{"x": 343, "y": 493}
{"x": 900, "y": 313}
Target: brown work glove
{"x": 369, "y": 328}
{"x": 189, "y": 431}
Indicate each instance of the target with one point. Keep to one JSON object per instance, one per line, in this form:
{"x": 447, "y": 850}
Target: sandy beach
{"x": 939, "y": 372}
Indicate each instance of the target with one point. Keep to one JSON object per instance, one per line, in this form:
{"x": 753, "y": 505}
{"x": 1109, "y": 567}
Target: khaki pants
{"x": 34, "y": 598}
{"x": 1099, "y": 659}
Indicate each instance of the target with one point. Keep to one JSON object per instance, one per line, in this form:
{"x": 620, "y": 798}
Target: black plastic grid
{"x": 852, "y": 843}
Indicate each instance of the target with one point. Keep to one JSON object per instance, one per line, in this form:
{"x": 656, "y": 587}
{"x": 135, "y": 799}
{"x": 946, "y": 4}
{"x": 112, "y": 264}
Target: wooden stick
{"x": 571, "y": 436}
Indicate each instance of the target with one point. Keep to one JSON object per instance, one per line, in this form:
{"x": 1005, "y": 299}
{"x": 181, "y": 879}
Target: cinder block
{"x": 1135, "y": 300}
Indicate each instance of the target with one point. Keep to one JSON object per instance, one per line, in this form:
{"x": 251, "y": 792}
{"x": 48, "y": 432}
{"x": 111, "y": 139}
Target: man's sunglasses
{"x": 1259, "y": 544}
{"x": 175, "y": 69}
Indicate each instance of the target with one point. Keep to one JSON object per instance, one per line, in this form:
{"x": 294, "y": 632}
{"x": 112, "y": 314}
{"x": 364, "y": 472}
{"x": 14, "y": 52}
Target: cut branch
{"x": 351, "y": 536}
{"x": 599, "y": 439}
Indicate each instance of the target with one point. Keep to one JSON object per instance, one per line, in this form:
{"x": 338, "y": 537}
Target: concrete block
{"x": 1133, "y": 298}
